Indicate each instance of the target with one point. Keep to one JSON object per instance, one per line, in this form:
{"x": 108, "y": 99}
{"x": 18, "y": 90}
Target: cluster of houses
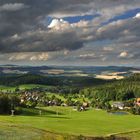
{"x": 138, "y": 101}
{"x": 29, "y": 96}
{"x": 35, "y": 97}
{"x": 121, "y": 105}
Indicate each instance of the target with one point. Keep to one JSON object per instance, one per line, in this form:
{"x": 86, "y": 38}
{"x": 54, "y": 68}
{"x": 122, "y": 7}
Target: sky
{"x": 70, "y": 32}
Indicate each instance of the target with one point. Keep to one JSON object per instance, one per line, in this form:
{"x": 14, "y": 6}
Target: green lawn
{"x": 88, "y": 123}
{"x": 6, "y": 88}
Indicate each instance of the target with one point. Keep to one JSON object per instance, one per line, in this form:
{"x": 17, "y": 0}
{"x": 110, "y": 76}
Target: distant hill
{"x": 82, "y": 71}
{"x": 15, "y": 80}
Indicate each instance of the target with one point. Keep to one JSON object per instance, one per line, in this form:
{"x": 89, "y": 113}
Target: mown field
{"x": 64, "y": 120}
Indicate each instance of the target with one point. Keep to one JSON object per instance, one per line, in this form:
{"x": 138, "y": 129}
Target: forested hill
{"x": 51, "y": 80}
{"x": 124, "y": 89}
{"x": 134, "y": 77}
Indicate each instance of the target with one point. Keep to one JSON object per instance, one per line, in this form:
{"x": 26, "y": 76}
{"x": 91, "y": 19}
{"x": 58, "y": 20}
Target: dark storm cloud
{"x": 40, "y": 40}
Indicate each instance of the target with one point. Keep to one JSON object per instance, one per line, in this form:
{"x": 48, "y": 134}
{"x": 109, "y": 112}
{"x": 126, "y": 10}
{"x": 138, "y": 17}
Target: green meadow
{"x": 31, "y": 86}
{"x": 7, "y": 88}
{"x": 66, "y": 121}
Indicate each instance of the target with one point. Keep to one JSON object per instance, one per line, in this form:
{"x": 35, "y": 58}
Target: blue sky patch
{"x": 126, "y": 15}
{"x": 76, "y": 19}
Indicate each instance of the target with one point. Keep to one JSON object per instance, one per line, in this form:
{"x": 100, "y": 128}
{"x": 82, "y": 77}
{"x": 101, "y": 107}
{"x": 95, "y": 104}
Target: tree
{"x": 5, "y": 106}
{"x": 107, "y": 106}
{"x": 14, "y": 101}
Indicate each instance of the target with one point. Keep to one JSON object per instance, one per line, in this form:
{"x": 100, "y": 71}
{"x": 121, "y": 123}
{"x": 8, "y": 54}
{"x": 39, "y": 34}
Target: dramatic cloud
{"x": 40, "y": 40}
{"x": 70, "y": 30}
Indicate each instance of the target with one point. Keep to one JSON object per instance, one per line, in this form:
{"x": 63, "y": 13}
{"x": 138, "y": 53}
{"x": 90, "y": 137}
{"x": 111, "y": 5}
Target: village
{"x": 38, "y": 98}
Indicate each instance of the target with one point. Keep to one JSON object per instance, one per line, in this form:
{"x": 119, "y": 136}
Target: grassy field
{"x": 67, "y": 121}
{"x": 7, "y": 88}
{"x": 31, "y": 86}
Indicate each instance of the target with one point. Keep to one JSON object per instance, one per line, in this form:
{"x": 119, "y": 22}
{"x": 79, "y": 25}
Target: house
{"x": 138, "y": 101}
{"x": 85, "y": 104}
{"x": 82, "y": 108}
{"x": 118, "y": 105}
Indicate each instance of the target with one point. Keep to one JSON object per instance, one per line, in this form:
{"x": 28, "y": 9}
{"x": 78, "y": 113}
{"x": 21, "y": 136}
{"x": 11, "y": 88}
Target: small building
{"x": 85, "y": 104}
{"x": 64, "y": 104}
{"x": 138, "y": 101}
{"x": 82, "y": 108}
{"x": 118, "y": 105}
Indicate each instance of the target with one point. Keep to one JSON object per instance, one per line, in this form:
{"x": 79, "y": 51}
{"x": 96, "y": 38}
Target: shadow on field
{"x": 59, "y": 117}
{"x": 94, "y": 138}
{"x": 39, "y": 112}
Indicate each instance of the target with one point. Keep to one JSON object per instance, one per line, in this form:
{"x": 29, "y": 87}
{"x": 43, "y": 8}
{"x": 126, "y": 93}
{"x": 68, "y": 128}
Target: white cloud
{"x": 20, "y": 56}
{"x": 59, "y": 24}
{"x": 66, "y": 52}
{"x": 15, "y": 37}
{"x": 108, "y": 49}
{"x": 104, "y": 58}
{"x": 123, "y": 54}
{"x": 44, "y": 56}
{"x": 12, "y": 7}
{"x": 137, "y": 15}
{"x": 81, "y": 23}
{"x": 90, "y": 55}
{"x": 40, "y": 57}
{"x": 54, "y": 23}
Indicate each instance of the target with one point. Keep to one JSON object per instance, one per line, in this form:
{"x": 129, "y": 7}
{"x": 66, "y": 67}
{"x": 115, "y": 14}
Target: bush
{"x": 18, "y": 110}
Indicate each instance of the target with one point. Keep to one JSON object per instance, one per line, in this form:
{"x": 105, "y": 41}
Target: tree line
{"x": 121, "y": 90}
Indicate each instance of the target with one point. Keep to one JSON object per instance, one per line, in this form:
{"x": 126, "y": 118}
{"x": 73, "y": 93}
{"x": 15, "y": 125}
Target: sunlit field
{"x": 65, "y": 120}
